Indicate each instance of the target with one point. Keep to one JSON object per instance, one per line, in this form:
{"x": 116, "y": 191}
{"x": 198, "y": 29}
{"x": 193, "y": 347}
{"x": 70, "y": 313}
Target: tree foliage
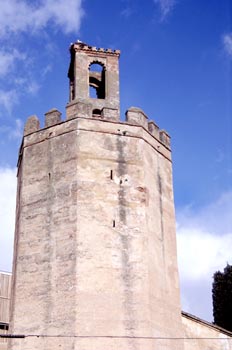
{"x": 222, "y": 298}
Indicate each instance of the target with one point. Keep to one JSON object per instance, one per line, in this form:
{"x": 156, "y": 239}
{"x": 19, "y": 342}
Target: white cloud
{"x": 8, "y": 99}
{"x": 204, "y": 241}
{"x": 7, "y": 215}
{"x": 201, "y": 253}
{"x": 7, "y": 60}
{"x": 18, "y": 16}
{"x": 46, "y": 70}
{"x": 214, "y": 217}
{"x": 12, "y": 132}
{"x": 17, "y": 131}
{"x": 19, "y": 20}
{"x": 227, "y": 42}
{"x": 127, "y": 12}
{"x": 32, "y": 87}
{"x": 166, "y": 6}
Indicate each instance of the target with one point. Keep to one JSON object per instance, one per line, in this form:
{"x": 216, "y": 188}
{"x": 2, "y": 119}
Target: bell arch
{"x": 97, "y": 81}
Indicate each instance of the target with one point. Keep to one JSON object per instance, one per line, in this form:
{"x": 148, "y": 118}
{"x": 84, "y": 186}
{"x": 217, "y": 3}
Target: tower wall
{"x": 95, "y": 249}
{"x": 95, "y": 252}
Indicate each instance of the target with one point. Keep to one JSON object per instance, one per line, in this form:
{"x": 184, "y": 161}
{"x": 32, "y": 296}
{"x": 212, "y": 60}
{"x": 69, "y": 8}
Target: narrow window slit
{"x": 111, "y": 174}
{"x": 113, "y": 223}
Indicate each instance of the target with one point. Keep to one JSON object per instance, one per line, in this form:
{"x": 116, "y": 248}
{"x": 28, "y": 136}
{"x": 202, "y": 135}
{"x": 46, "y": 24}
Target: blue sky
{"x": 175, "y": 64}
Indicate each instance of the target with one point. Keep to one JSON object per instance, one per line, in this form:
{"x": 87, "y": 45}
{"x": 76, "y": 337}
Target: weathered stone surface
{"x": 165, "y": 138}
{"x": 81, "y": 79}
{"x": 110, "y": 114}
{"x": 31, "y": 125}
{"x": 202, "y": 335}
{"x": 52, "y": 117}
{"x": 95, "y": 262}
{"x": 79, "y": 109}
{"x": 96, "y": 251}
{"x": 153, "y": 128}
{"x": 135, "y": 115}
{"x": 5, "y": 288}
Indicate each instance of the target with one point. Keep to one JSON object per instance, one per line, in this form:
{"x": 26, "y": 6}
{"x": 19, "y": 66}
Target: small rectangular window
{"x": 4, "y": 326}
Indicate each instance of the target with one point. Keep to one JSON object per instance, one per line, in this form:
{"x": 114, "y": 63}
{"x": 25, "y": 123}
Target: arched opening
{"x": 96, "y": 80}
{"x": 96, "y": 113}
{"x": 96, "y": 67}
{"x": 71, "y": 75}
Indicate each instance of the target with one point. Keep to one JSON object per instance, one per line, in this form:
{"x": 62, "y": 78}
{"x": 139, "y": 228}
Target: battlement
{"x": 96, "y": 68}
{"x": 134, "y": 117}
{"x": 80, "y": 46}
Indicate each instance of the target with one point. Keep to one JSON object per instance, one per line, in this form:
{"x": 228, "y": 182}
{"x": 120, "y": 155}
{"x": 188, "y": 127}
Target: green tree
{"x": 222, "y": 298}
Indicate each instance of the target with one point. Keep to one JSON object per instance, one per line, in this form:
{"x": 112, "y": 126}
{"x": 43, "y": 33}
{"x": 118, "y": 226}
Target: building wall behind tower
{"x": 5, "y": 288}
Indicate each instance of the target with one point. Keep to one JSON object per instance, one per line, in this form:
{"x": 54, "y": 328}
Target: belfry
{"x": 97, "y": 71}
{"x": 95, "y": 264}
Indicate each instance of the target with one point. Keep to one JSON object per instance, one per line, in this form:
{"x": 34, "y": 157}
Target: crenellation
{"x": 153, "y": 128}
{"x": 79, "y": 110}
{"x": 83, "y": 47}
{"x": 165, "y": 138}
{"x": 135, "y": 115}
{"x": 52, "y": 117}
{"x": 32, "y": 125}
{"x": 103, "y": 124}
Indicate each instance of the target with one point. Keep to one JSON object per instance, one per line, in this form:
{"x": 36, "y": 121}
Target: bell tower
{"x": 95, "y": 265}
{"x": 94, "y": 82}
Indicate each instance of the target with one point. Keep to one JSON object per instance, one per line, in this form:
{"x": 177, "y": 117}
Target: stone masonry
{"x": 95, "y": 264}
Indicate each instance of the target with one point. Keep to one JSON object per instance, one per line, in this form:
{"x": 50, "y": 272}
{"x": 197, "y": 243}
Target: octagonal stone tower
{"x": 95, "y": 264}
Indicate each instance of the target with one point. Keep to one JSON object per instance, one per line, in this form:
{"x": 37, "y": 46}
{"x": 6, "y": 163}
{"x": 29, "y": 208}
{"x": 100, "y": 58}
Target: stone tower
{"x": 95, "y": 263}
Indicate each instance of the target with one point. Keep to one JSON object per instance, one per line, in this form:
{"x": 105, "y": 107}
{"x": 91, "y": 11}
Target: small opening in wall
{"x": 97, "y": 80}
{"x": 124, "y": 133}
{"x": 111, "y": 174}
{"x": 95, "y": 67}
{"x": 92, "y": 92}
{"x": 4, "y": 326}
{"x": 49, "y": 176}
{"x": 96, "y": 113}
{"x": 113, "y": 223}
